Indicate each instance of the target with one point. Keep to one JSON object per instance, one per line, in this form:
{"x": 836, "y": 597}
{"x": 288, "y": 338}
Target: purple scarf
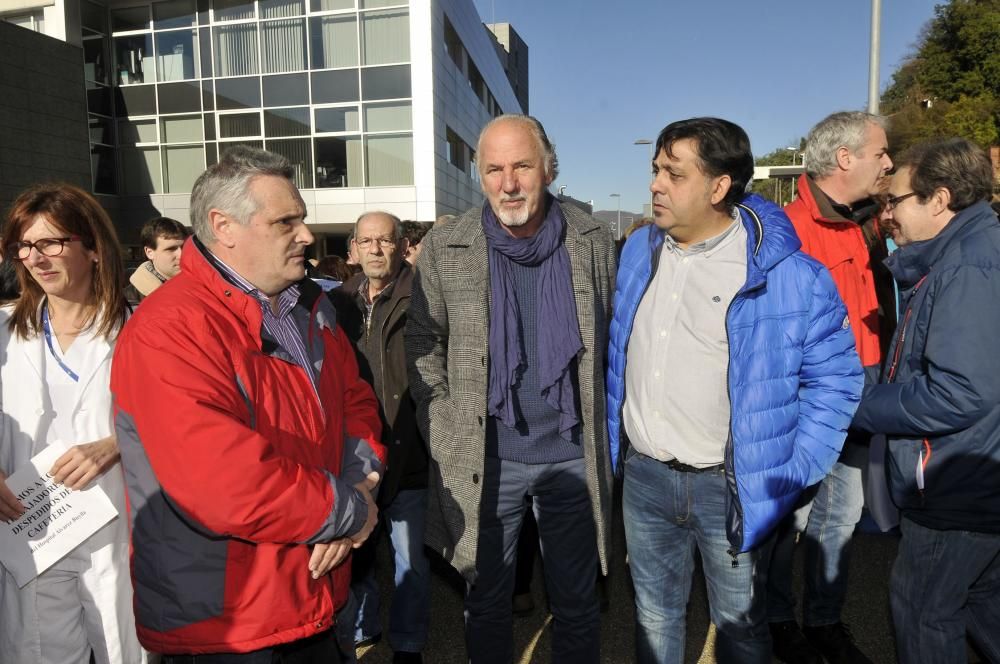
{"x": 559, "y": 339}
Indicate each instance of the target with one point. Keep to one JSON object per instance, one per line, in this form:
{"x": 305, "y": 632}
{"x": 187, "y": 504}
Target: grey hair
{"x": 225, "y": 186}
{"x": 844, "y": 129}
{"x": 547, "y": 148}
{"x": 397, "y": 224}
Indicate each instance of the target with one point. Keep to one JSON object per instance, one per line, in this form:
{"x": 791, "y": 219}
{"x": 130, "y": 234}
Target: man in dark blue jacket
{"x": 939, "y": 403}
{"x": 733, "y": 372}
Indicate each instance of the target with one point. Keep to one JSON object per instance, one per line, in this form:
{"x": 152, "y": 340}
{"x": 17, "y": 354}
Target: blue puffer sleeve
{"x": 831, "y": 380}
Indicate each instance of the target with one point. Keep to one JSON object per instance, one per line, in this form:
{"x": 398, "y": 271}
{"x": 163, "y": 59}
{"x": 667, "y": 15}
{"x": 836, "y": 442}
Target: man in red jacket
{"x": 846, "y": 156}
{"x": 248, "y": 439}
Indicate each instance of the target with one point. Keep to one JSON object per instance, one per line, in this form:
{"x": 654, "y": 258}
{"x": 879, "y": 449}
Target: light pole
{"x": 618, "y": 225}
{"x": 873, "y": 57}
{"x": 795, "y": 153}
{"x": 646, "y": 141}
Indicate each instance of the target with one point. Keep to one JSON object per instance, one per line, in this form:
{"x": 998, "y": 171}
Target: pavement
{"x": 866, "y": 612}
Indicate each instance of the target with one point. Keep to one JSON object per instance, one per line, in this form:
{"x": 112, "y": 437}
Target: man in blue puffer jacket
{"x": 939, "y": 404}
{"x": 733, "y": 371}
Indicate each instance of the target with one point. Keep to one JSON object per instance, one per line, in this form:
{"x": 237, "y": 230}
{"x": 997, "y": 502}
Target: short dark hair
{"x": 158, "y": 227}
{"x": 414, "y": 231}
{"x": 955, "y": 164}
{"x": 723, "y": 149}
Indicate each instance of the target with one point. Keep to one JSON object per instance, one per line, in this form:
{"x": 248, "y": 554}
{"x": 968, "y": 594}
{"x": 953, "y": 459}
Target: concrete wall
{"x": 43, "y": 112}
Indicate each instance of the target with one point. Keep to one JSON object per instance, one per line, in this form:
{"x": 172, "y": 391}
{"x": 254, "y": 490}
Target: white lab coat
{"x": 26, "y": 412}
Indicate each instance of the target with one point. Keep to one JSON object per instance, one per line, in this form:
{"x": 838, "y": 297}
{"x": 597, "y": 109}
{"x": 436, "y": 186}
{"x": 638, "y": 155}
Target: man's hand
{"x": 359, "y": 537}
{"x": 11, "y": 508}
{"x": 80, "y": 464}
{"x": 371, "y": 481}
{"x": 328, "y": 555}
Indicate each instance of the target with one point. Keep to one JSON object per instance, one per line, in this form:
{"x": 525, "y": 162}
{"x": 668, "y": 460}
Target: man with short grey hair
{"x": 248, "y": 439}
{"x": 846, "y": 158}
{"x": 372, "y": 309}
{"x": 506, "y": 338}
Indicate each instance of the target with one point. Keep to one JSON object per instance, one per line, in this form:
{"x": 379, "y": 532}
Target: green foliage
{"x": 951, "y": 85}
{"x": 778, "y": 191}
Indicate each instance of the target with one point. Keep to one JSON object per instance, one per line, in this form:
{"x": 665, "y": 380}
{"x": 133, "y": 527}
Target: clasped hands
{"x": 327, "y": 555}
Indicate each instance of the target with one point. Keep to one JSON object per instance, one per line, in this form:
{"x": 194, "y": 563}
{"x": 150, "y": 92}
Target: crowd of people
{"x": 752, "y": 377}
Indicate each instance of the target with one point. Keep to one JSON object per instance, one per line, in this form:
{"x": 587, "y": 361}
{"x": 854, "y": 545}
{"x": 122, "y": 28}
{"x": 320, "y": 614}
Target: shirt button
{"x": 656, "y": 374}
{"x": 673, "y": 296}
{"x": 319, "y": 624}
{"x": 395, "y": 397}
{"x": 656, "y": 414}
{"x": 663, "y": 333}
{"x": 684, "y": 260}
{"x": 39, "y": 411}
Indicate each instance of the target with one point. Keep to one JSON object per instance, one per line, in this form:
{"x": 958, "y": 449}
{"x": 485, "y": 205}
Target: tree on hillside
{"x": 951, "y": 85}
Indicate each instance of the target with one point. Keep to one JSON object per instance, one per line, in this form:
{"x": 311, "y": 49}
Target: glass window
{"x": 205, "y": 50}
{"x": 141, "y": 171}
{"x": 130, "y": 18}
{"x": 135, "y": 100}
{"x": 299, "y": 154}
{"x": 385, "y": 82}
{"x": 285, "y": 90}
{"x": 95, "y": 60}
{"x": 99, "y": 99}
{"x": 233, "y": 10}
{"x": 224, "y": 147}
{"x": 282, "y": 8}
{"x": 283, "y": 45}
{"x": 209, "y": 126}
{"x": 102, "y": 168}
{"x": 235, "y": 125}
{"x": 334, "y": 41}
{"x": 338, "y": 161}
{"x": 203, "y": 16}
{"x": 456, "y": 149}
{"x": 231, "y": 93}
{"x": 453, "y": 44}
{"x": 235, "y": 49}
{"x": 369, "y": 4}
{"x": 389, "y": 160}
{"x": 331, "y": 5}
{"x": 332, "y": 87}
{"x": 94, "y": 16}
{"x": 176, "y": 55}
{"x": 286, "y": 122}
{"x": 179, "y": 97}
{"x": 391, "y": 116}
{"x": 181, "y": 129}
{"x": 385, "y": 37}
{"x": 100, "y": 130}
{"x": 131, "y": 132}
{"x": 337, "y": 119}
{"x": 207, "y": 96}
{"x": 211, "y": 154}
{"x": 134, "y": 59}
{"x": 181, "y": 167}
{"x": 173, "y": 14}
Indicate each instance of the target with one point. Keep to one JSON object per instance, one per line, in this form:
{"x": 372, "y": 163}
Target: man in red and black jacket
{"x": 248, "y": 439}
{"x": 846, "y": 157}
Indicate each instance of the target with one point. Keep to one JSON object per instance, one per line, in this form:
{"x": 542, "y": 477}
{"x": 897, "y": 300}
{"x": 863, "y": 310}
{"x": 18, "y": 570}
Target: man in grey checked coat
{"x": 506, "y": 343}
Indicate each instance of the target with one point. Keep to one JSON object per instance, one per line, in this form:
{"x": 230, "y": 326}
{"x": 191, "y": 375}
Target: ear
{"x": 222, "y": 226}
{"x": 844, "y": 157}
{"x": 940, "y": 200}
{"x": 722, "y": 185}
{"x": 149, "y": 253}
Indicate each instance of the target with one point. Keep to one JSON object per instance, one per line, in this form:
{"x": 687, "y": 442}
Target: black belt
{"x": 674, "y": 464}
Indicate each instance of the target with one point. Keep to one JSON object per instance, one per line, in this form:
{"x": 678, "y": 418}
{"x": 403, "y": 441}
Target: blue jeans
{"x": 945, "y": 583}
{"x": 409, "y": 615}
{"x": 568, "y": 541}
{"x": 827, "y": 516}
{"x": 667, "y": 515}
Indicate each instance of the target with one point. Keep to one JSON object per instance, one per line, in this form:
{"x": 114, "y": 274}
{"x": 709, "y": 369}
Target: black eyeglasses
{"x": 47, "y": 246}
{"x": 893, "y": 201}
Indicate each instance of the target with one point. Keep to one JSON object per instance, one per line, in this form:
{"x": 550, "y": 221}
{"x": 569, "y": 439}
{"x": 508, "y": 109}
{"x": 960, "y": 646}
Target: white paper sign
{"x": 57, "y": 519}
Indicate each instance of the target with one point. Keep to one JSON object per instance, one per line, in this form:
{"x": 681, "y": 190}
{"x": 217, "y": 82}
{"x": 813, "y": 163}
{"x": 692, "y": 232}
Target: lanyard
{"x": 47, "y": 329}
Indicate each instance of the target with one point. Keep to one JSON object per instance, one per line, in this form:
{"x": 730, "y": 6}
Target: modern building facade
{"x": 377, "y": 103}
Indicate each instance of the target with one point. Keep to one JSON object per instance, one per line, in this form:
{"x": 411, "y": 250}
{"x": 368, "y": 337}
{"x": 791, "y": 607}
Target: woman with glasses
{"x": 56, "y": 342}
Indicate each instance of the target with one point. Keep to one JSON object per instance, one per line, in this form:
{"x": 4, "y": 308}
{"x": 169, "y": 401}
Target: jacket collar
{"x": 911, "y": 263}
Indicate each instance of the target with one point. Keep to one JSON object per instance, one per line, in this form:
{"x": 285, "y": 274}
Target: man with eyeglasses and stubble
{"x": 846, "y": 158}
{"x": 938, "y": 404}
{"x": 372, "y": 309}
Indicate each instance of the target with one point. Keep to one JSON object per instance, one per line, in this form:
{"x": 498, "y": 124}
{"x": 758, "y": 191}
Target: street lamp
{"x": 618, "y": 225}
{"x": 651, "y": 144}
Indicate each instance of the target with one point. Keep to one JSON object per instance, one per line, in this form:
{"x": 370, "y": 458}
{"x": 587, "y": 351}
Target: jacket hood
{"x": 772, "y": 235}
{"x": 911, "y": 263}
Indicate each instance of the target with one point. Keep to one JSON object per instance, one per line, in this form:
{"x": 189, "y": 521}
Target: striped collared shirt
{"x": 280, "y": 326}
